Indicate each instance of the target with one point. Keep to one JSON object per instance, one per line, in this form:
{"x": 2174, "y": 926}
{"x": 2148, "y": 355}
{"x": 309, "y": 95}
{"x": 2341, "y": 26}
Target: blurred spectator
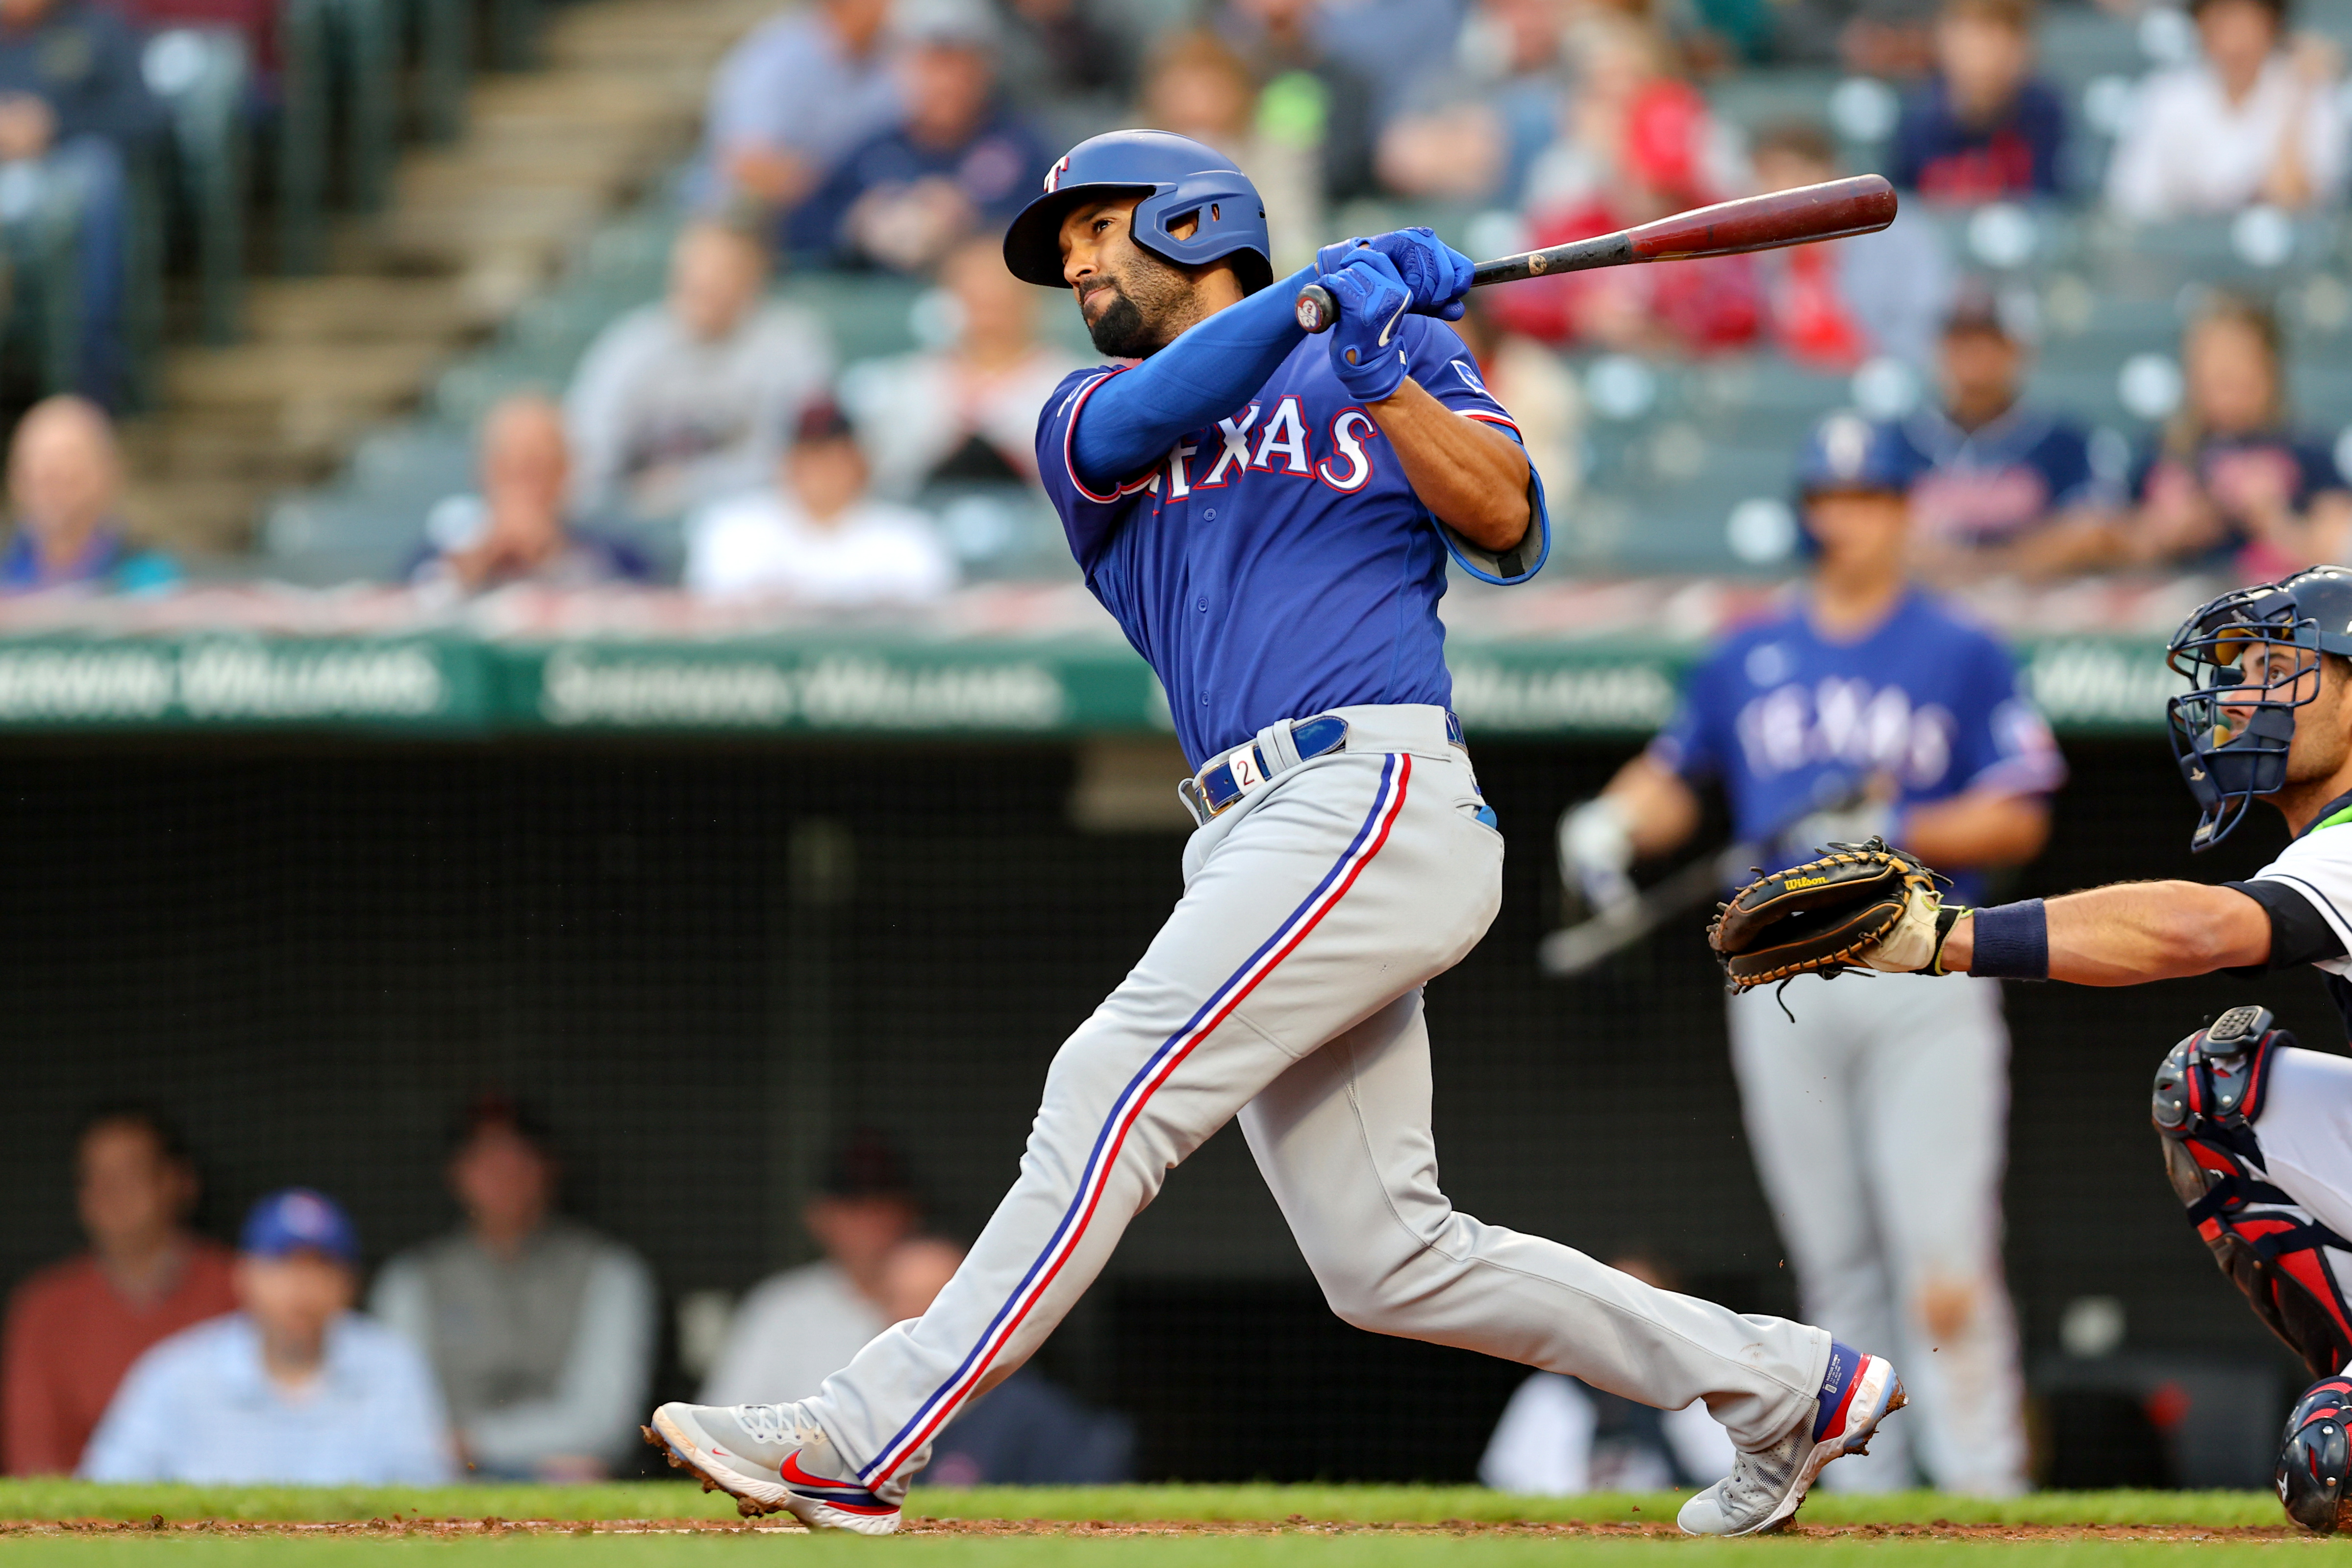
{"x": 74, "y": 103}
{"x": 75, "y": 1327}
{"x": 791, "y": 100}
{"x": 1306, "y": 96}
{"x": 293, "y": 1387}
{"x": 1984, "y": 127}
{"x": 968, "y": 412}
{"x": 255, "y": 21}
{"x": 957, "y": 163}
{"x": 1559, "y": 1436}
{"x": 1473, "y": 133}
{"x": 1391, "y": 44}
{"x": 2003, "y": 489}
{"x": 1541, "y": 393}
{"x": 682, "y": 401}
{"x": 1835, "y": 305}
{"x": 540, "y": 1331}
{"x": 2252, "y": 121}
{"x": 1637, "y": 144}
{"x": 1057, "y": 51}
{"x": 2232, "y": 478}
{"x": 518, "y": 529}
{"x": 800, "y": 1327}
{"x": 1196, "y": 86}
{"x": 1023, "y": 1432}
{"x": 817, "y": 535}
{"x": 65, "y": 481}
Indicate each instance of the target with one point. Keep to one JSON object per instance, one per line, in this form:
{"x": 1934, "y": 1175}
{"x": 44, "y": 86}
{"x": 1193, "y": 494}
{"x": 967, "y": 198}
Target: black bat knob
{"x": 1318, "y": 311}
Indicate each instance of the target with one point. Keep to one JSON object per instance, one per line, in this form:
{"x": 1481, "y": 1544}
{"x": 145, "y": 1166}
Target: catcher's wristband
{"x": 2013, "y": 942}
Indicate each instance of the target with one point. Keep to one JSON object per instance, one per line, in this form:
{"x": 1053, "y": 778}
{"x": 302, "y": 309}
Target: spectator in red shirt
{"x": 1638, "y": 143}
{"x": 75, "y": 1328}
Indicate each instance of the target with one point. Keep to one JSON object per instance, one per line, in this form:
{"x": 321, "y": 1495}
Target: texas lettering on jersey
{"x": 1276, "y": 563}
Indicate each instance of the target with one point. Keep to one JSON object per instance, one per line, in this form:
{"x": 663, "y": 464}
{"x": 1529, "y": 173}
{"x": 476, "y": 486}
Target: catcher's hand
{"x": 1857, "y": 907}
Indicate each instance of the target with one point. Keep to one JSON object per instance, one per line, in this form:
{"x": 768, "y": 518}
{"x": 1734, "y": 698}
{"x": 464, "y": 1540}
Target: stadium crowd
{"x": 716, "y": 438}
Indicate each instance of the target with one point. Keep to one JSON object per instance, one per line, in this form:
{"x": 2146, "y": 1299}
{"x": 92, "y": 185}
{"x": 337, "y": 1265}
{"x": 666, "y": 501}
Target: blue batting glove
{"x": 1373, "y": 300}
{"x": 1438, "y": 274}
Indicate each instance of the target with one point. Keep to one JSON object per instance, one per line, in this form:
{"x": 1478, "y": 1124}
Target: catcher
{"x": 2256, "y": 1133}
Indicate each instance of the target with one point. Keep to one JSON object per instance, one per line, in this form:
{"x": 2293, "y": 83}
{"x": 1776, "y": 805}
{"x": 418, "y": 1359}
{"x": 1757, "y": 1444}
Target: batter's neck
{"x": 1852, "y": 603}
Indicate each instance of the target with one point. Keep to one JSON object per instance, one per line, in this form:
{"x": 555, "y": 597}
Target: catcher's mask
{"x": 2252, "y": 658}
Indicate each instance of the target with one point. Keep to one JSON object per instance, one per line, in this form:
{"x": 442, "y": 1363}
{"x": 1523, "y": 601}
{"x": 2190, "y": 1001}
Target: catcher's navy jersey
{"x": 1276, "y": 563}
{"x": 1791, "y": 722}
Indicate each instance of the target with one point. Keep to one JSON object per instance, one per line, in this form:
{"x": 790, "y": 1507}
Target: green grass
{"x": 51, "y": 1500}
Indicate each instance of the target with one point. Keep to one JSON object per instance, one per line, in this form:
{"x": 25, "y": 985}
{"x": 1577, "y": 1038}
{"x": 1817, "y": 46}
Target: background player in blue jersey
{"x": 1268, "y": 516}
{"x": 1878, "y": 1114}
{"x": 2256, "y": 1133}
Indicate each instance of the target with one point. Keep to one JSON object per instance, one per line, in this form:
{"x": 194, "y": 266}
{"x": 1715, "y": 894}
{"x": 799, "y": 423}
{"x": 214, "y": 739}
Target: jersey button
{"x": 1205, "y": 607}
{"x": 1211, "y": 514}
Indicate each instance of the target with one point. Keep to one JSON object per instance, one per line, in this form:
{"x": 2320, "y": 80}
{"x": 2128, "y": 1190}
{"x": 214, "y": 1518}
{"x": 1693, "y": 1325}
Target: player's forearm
{"x": 1470, "y": 476}
{"x": 1979, "y": 828}
{"x": 1206, "y": 374}
{"x": 1660, "y": 811}
{"x": 2138, "y": 931}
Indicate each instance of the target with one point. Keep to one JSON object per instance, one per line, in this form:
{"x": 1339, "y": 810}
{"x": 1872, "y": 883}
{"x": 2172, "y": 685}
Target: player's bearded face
{"x": 1130, "y": 302}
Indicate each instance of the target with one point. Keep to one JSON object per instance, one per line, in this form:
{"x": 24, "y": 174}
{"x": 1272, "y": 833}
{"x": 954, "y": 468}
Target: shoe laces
{"x": 768, "y": 1423}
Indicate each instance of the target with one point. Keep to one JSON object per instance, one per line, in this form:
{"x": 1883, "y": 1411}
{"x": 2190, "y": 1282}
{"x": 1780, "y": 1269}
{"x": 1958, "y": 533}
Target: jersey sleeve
{"x": 2001, "y": 741}
{"x": 1692, "y": 746}
{"x": 2319, "y": 867}
{"x": 1439, "y": 362}
{"x": 2300, "y": 932}
{"x": 1089, "y": 518}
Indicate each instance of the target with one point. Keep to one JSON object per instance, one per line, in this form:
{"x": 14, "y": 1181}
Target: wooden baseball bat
{"x": 1834, "y": 209}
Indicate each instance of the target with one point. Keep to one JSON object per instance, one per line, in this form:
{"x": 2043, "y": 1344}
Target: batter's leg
{"x": 1799, "y": 1102}
{"x": 1936, "y": 1075}
{"x": 1344, "y": 1141}
{"x": 1333, "y": 891}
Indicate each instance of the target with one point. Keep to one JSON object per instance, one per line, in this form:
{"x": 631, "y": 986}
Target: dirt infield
{"x": 456, "y": 1529}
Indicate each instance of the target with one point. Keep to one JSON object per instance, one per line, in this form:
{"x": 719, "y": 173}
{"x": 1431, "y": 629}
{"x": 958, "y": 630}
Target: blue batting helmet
{"x": 1849, "y": 453}
{"x": 2233, "y": 726}
{"x": 1177, "y": 178}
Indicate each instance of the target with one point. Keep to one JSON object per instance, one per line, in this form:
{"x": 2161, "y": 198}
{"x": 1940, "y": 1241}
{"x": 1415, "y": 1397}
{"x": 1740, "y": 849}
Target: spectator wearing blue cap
{"x": 293, "y": 1387}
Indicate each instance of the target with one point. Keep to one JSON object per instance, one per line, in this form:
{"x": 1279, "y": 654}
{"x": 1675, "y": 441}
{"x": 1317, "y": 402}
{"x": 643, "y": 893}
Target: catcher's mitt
{"x": 1858, "y": 906}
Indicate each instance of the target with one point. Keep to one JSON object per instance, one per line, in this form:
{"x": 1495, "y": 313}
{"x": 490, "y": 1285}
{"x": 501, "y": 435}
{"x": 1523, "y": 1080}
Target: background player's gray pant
{"x": 1880, "y": 1121}
{"x": 1285, "y": 988}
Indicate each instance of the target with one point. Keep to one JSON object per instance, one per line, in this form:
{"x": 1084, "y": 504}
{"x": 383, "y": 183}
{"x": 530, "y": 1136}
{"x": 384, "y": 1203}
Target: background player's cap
{"x": 944, "y": 23}
{"x": 1177, "y": 178}
{"x": 1849, "y": 455}
{"x": 299, "y": 1219}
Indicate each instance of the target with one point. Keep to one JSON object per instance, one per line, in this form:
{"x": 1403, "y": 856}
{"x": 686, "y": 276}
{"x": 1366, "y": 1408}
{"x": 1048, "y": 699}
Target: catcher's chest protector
{"x": 2293, "y": 1268}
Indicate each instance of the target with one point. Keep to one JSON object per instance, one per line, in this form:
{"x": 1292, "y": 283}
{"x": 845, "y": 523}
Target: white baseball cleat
{"x": 1764, "y": 1488}
{"x": 771, "y": 1458}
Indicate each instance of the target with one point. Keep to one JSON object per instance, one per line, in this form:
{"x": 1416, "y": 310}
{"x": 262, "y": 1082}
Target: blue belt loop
{"x": 1247, "y": 768}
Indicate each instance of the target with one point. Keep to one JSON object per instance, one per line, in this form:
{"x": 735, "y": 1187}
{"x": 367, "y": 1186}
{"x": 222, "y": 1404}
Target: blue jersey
{"x": 1275, "y": 564}
{"x": 1994, "y": 484}
{"x": 1790, "y": 722}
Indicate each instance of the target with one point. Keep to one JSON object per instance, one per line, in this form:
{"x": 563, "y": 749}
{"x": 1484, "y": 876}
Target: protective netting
{"x": 702, "y": 962}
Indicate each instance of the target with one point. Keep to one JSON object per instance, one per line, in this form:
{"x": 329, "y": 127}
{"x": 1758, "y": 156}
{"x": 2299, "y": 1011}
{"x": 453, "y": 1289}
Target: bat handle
{"x": 1318, "y": 311}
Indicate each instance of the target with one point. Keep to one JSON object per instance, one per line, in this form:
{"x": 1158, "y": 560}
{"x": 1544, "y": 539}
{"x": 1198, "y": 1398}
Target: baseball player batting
{"x": 2256, "y": 1133}
{"x": 1877, "y": 1112}
{"x": 1268, "y": 516}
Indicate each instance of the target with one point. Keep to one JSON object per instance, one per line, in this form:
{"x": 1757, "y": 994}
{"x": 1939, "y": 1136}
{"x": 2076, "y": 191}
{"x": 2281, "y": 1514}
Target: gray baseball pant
{"x": 1285, "y": 988}
{"x": 1880, "y": 1121}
